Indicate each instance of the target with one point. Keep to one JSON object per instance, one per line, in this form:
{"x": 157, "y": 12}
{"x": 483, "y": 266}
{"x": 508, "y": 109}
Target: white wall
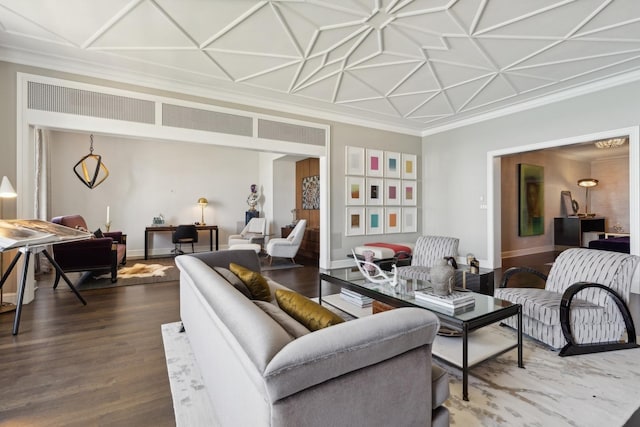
{"x": 148, "y": 178}
{"x": 455, "y": 173}
{"x": 284, "y": 179}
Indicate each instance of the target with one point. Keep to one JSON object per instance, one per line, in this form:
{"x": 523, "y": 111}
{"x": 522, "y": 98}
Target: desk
{"x": 172, "y": 228}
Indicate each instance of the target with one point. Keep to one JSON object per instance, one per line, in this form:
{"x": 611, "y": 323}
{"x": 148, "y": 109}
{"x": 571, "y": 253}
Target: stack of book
{"x": 456, "y": 301}
{"x": 355, "y": 298}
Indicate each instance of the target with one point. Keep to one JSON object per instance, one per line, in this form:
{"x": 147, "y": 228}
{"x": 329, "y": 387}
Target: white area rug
{"x": 591, "y": 390}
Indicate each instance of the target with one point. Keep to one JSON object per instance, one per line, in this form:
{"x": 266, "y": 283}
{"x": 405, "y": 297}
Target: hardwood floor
{"x": 103, "y": 363}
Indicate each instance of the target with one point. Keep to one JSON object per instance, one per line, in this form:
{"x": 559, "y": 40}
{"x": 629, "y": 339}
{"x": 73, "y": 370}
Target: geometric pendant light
{"x": 91, "y": 162}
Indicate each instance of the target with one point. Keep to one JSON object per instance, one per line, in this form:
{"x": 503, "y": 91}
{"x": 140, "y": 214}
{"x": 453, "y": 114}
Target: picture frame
{"x": 530, "y": 200}
{"x": 355, "y": 190}
{"x": 568, "y": 206}
{"x": 409, "y": 220}
{"x": 354, "y": 160}
{"x": 375, "y": 191}
{"x": 393, "y": 220}
{"x": 409, "y": 193}
{"x": 375, "y": 162}
{"x": 375, "y": 220}
{"x": 409, "y": 166}
{"x": 392, "y": 192}
{"x": 354, "y": 221}
{"x": 392, "y": 164}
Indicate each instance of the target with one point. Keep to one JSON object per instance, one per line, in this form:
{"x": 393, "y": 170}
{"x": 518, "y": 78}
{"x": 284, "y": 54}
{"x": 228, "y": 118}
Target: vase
{"x": 442, "y": 277}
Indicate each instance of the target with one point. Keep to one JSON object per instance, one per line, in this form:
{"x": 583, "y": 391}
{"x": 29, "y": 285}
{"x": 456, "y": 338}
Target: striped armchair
{"x": 583, "y": 307}
{"x": 427, "y": 250}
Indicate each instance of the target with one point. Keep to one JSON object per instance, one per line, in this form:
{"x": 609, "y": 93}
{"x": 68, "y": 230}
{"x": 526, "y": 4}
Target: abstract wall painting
{"x": 311, "y": 192}
{"x": 354, "y": 160}
{"x": 409, "y": 193}
{"x": 355, "y": 222}
{"x": 355, "y": 190}
{"x": 375, "y": 162}
{"x": 409, "y": 166}
{"x": 392, "y": 164}
{"x": 409, "y": 220}
{"x": 530, "y": 200}
{"x": 375, "y": 220}
{"x": 375, "y": 191}
{"x": 393, "y": 220}
{"x": 392, "y": 192}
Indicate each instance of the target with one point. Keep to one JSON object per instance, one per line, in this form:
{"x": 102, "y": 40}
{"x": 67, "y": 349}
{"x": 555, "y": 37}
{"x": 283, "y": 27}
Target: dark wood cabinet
{"x": 569, "y": 231}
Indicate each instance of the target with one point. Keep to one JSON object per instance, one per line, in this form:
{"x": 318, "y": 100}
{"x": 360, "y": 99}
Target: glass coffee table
{"x": 485, "y": 311}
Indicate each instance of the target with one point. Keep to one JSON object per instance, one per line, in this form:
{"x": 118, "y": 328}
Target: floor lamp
{"x": 6, "y": 192}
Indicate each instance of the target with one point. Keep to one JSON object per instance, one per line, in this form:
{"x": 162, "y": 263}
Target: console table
{"x": 172, "y": 228}
{"x": 568, "y": 231}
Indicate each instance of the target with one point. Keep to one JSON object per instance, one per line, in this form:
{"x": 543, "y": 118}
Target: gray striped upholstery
{"x": 594, "y": 316}
{"x": 427, "y": 250}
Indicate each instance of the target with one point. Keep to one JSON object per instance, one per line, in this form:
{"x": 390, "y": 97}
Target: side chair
{"x": 583, "y": 306}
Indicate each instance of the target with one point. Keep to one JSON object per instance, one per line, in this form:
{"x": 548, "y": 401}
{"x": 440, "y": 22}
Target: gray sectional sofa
{"x": 373, "y": 371}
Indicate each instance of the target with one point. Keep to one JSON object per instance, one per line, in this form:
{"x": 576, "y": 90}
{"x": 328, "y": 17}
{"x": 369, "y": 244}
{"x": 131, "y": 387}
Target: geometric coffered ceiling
{"x": 416, "y": 65}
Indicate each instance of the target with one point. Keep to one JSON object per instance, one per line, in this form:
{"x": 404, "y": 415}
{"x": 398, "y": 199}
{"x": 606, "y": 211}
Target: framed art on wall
{"x": 409, "y": 220}
{"x": 375, "y": 190}
{"x": 354, "y": 160}
{"x": 409, "y": 166}
{"x": 375, "y": 162}
{"x": 530, "y": 200}
{"x": 355, "y": 190}
{"x": 375, "y": 220}
{"x": 392, "y": 192}
{"x": 409, "y": 193}
{"x": 392, "y": 164}
{"x": 354, "y": 222}
{"x": 393, "y": 220}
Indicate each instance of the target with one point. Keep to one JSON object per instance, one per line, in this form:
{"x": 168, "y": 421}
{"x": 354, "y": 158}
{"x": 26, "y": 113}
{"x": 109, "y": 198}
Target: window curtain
{"x": 42, "y": 178}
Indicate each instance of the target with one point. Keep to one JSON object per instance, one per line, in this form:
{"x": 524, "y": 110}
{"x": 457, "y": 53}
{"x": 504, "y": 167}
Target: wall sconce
{"x": 202, "y": 202}
{"x": 6, "y": 192}
{"x": 587, "y": 183}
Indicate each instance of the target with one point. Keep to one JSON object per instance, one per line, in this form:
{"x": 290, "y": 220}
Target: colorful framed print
{"x": 392, "y": 164}
{"x": 355, "y": 190}
{"x": 392, "y": 192}
{"x": 409, "y": 220}
{"x": 409, "y": 166}
{"x": 354, "y": 222}
{"x": 375, "y": 162}
{"x": 409, "y": 193}
{"x": 375, "y": 191}
{"x": 354, "y": 160}
{"x": 375, "y": 220}
{"x": 530, "y": 200}
{"x": 393, "y": 220}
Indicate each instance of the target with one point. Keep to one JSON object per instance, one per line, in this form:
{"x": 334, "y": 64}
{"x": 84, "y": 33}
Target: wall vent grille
{"x": 212, "y": 121}
{"x": 60, "y": 99}
{"x": 280, "y": 131}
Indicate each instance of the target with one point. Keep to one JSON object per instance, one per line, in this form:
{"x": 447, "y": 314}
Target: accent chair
{"x": 253, "y": 232}
{"x": 287, "y": 247}
{"x": 427, "y": 250}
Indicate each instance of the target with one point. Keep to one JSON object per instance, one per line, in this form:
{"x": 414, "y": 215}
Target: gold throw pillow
{"x": 311, "y": 314}
{"x": 257, "y": 285}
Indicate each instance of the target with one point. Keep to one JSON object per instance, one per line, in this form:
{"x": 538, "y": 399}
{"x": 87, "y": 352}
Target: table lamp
{"x": 587, "y": 183}
{"x": 6, "y": 192}
{"x": 202, "y": 202}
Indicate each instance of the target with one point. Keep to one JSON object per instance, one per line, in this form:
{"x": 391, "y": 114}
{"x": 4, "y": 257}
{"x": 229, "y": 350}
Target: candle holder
{"x": 107, "y": 226}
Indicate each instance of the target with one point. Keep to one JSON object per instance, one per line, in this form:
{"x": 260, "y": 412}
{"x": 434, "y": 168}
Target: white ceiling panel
{"x": 409, "y": 64}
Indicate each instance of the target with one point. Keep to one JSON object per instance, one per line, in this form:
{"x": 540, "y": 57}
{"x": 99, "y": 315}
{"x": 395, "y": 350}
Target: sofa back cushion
{"x": 244, "y": 324}
{"x": 257, "y": 285}
{"x": 234, "y": 280}
{"x": 309, "y": 313}
{"x": 288, "y": 323}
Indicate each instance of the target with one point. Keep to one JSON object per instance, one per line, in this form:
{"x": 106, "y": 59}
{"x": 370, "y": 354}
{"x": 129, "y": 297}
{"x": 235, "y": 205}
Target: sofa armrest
{"x": 115, "y": 235}
{"x": 337, "y": 350}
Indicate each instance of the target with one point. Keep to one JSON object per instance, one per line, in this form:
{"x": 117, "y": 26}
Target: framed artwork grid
{"x": 355, "y": 190}
{"x": 392, "y": 192}
{"x": 354, "y": 222}
{"x": 354, "y": 160}
{"x": 375, "y": 220}
{"x": 375, "y": 163}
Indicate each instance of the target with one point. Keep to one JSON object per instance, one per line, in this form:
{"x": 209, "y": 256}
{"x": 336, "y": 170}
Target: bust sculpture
{"x": 252, "y": 200}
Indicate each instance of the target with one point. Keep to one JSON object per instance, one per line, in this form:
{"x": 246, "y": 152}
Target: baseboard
{"x": 528, "y": 251}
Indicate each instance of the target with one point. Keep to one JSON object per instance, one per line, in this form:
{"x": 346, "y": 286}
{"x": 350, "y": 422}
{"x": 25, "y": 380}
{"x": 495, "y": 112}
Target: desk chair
{"x": 184, "y": 234}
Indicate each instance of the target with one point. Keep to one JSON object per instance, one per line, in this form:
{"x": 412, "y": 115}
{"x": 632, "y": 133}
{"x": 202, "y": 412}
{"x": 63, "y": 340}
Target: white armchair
{"x": 253, "y": 232}
{"x": 287, "y": 247}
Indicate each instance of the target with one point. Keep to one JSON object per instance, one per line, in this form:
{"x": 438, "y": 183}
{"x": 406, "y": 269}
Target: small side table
{"x": 482, "y": 282}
